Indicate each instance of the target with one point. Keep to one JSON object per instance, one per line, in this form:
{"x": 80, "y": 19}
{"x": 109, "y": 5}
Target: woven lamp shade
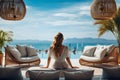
{"x": 103, "y": 9}
{"x": 12, "y": 9}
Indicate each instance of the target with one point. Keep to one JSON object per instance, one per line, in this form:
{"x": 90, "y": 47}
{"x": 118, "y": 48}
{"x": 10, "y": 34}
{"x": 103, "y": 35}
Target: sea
{"x": 42, "y": 46}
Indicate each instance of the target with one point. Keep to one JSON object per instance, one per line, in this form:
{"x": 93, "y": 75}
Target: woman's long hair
{"x": 57, "y": 43}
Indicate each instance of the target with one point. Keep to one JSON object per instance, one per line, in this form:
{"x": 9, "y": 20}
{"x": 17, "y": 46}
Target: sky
{"x": 45, "y": 18}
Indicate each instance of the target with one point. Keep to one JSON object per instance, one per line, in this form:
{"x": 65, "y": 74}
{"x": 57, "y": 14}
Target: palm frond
{"x": 100, "y": 22}
{"x": 101, "y": 30}
{"x": 104, "y": 26}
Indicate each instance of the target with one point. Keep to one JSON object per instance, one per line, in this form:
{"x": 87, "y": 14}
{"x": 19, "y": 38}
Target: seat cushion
{"x": 111, "y": 73}
{"x": 10, "y": 73}
{"x": 31, "y": 51}
{"x": 28, "y": 59}
{"x": 44, "y": 75}
{"x": 91, "y": 59}
{"x": 22, "y": 50}
{"x": 79, "y": 75}
{"x": 89, "y": 50}
{"x": 14, "y": 52}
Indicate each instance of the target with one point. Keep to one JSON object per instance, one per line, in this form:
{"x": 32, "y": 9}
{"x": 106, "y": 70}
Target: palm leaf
{"x": 5, "y": 37}
{"x": 104, "y": 26}
{"x": 101, "y": 31}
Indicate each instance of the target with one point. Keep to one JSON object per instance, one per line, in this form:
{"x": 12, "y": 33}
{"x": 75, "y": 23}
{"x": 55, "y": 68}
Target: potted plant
{"x": 112, "y": 25}
{"x": 5, "y": 37}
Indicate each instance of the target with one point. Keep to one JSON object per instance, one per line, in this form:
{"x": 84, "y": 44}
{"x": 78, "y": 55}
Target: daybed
{"x": 97, "y": 55}
{"x": 37, "y": 73}
{"x": 21, "y": 55}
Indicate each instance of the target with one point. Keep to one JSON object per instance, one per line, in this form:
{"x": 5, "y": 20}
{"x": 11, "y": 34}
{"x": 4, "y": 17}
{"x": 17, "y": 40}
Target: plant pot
{"x": 1, "y": 58}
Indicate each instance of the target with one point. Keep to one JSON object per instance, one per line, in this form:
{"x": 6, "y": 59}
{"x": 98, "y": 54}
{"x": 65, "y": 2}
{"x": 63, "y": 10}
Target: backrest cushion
{"x": 10, "y": 73}
{"x": 31, "y": 51}
{"x": 109, "y": 48}
{"x": 79, "y": 75}
{"x": 22, "y": 50}
{"x": 111, "y": 73}
{"x": 89, "y": 50}
{"x": 43, "y": 75}
{"x": 14, "y": 52}
{"x": 100, "y": 52}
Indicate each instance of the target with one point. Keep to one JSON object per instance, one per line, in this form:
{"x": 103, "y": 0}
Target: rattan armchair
{"x": 11, "y": 60}
{"x": 110, "y": 59}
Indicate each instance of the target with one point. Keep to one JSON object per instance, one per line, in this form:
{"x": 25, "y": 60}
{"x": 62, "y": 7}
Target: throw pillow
{"x": 111, "y": 73}
{"x": 10, "y": 73}
{"x": 14, "y": 52}
{"x": 22, "y": 50}
{"x": 44, "y": 75}
{"x": 100, "y": 52}
{"x": 79, "y": 75}
{"x": 89, "y": 50}
{"x": 109, "y": 48}
{"x": 31, "y": 51}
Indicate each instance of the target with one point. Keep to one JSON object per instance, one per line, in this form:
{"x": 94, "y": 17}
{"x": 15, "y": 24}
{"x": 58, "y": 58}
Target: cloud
{"x": 64, "y": 23}
{"x": 27, "y": 7}
{"x": 64, "y": 15}
{"x": 2, "y": 21}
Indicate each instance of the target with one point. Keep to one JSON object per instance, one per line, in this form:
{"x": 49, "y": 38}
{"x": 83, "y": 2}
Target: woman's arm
{"x": 49, "y": 58}
{"x": 69, "y": 62}
{"x": 48, "y": 62}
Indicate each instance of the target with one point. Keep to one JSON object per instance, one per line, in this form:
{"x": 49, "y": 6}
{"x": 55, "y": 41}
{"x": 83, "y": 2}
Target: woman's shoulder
{"x": 65, "y": 47}
{"x": 50, "y": 49}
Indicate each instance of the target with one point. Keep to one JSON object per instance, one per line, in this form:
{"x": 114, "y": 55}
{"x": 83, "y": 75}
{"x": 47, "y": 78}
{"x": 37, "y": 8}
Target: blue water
{"x": 44, "y": 55}
{"x": 42, "y": 46}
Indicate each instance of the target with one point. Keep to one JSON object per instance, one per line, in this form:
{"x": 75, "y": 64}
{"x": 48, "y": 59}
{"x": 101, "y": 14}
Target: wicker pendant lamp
{"x": 12, "y": 9}
{"x": 103, "y": 9}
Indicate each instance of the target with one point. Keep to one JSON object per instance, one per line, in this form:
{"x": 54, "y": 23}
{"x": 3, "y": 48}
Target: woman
{"x": 60, "y": 53}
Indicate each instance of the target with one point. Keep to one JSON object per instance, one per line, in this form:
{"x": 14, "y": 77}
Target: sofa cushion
{"x": 31, "y": 51}
{"x": 111, "y": 73}
{"x": 14, "y": 52}
{"x": 44, "y": 75}
{"x": 100, "y": 52}
{"x": 22, "y": 50}
{"x": 89, "y": 50}
{"x": 10, "y": 73}
{"x": 79, "y": 75}
{"x": 28, "y": 59}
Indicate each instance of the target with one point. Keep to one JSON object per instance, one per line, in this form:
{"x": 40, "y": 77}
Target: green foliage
{"x": 5, "y": 37}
